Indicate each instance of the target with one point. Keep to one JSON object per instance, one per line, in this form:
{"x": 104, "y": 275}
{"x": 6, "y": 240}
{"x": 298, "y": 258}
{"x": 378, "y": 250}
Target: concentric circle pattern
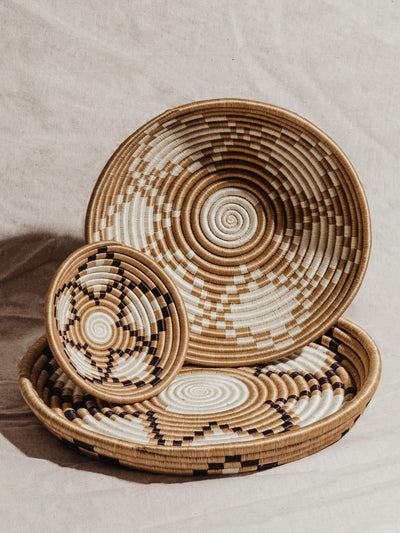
{"x": 202, "y": 407}
{"x": 218, "y": 420}
{"x": 228, "y": 218}
{"x": 116, "y": 323}
{"x": 204, "y": 392}
{"x": 254, "y": 213}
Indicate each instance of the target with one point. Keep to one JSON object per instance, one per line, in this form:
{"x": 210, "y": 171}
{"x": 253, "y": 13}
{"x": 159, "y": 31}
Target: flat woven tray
{"x": 216, "y": 421}
{"x": 255, "y": 213}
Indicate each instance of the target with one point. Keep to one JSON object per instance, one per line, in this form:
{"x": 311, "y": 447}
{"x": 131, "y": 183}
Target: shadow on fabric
{"x": 27, "y": 265}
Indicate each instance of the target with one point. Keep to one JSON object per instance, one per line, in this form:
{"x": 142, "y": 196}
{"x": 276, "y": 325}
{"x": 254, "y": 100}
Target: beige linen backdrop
{"x": 77, "y": 77}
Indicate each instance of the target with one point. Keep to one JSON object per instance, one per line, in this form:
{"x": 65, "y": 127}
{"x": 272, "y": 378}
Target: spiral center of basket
{"x": 204, "y": 392}
{"x": 99, "y": 327}
{"x": 228, "y": 217}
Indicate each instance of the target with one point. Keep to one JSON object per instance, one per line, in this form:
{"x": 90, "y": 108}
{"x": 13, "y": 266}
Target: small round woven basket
{"x": 216, "y": 421}
{"x": 116, "y": 324}
{"x": 256, "y": 215}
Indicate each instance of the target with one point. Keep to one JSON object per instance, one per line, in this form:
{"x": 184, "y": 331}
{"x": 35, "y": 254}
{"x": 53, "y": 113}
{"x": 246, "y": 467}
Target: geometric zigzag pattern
{"x": 215, "y": 408}
{"x": 119, "y": 326}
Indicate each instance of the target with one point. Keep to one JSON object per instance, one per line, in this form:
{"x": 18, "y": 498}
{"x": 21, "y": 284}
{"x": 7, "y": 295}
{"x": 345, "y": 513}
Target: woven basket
{"x": 216, "y": 421}
{"x": 256, "y": 215}
{"x": 116, "y": 323}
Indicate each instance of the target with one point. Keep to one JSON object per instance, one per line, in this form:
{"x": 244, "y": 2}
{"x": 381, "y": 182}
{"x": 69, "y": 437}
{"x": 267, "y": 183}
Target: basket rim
{"x": 314, "y": 431}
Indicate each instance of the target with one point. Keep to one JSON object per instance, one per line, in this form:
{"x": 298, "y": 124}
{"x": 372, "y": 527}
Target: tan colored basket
{"x": 216, "y": 421}
{"x": 255, "y": 213}
{"x": 116, "y": 323}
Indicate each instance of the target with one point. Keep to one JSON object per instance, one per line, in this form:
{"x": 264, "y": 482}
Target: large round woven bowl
{"x": 216, "y": 421}
{"x": 255, "y": 213}
{"x": 116, "y": 323}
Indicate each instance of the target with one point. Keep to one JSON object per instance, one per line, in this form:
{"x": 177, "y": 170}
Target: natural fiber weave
{"x": 116, "y": 323}
{"x": 213, "y": 421}
{"x": 256, "y": 215}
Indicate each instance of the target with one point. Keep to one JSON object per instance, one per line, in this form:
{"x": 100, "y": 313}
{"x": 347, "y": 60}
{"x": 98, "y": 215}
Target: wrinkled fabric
{"x": 76, "y": 79}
